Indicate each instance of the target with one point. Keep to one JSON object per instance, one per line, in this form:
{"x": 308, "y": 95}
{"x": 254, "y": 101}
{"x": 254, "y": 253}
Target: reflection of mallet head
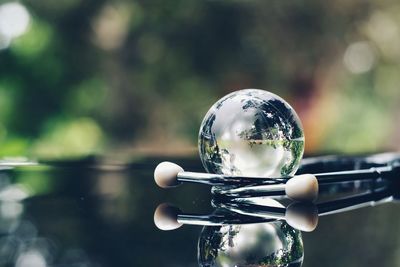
{"x": 301, "y": 187}
{"x": 166, "y": 217}
{"x": 302, "y": 216}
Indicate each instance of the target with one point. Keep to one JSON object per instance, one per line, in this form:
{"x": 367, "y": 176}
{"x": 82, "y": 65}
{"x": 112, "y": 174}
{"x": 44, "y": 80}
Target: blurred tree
{"x": 143, "y": 73}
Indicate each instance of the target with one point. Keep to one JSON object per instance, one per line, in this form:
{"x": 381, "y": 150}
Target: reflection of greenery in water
{"x": 220, "y": 154}
{"x": 274, "y": 244}
{"x": 292, "y": 255}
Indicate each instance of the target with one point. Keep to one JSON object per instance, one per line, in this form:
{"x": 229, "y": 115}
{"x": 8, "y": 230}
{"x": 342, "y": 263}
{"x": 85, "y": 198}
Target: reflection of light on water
{"x": 4, "y": 42}
{"x": 10, "y": 197}
{"x": 14, "y": 21}
{"x": 8, "y": 246}
{"x": 26, "y": 231}
{"x": 24, "y": 248}
{"x": 16, "y": 162}
{"x": 31, "y": 258}
{"x": 359, "y": 57}
{"x": 14, "y": 193}
{"x": 11, "y": 209}
{"x": 21, "y": 243}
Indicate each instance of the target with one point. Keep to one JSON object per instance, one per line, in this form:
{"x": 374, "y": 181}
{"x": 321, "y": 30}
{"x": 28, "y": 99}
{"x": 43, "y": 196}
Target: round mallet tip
{"x": 166, "y": 217}
{"x": 302, "y": 216}
{"x": 302, "y": 187}
{"x": 165, "y": 174}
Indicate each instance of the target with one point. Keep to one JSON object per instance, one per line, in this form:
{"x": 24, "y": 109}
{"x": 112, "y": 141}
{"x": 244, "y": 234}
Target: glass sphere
{"x": 252, "y": 245}
{"x": 251, "y": 132}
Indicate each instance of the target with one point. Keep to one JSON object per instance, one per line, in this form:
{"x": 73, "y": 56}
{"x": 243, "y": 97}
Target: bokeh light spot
{"x": 14, "y": 20}
{"x": 359, "y": 57}
{"x": 31, "y": 258}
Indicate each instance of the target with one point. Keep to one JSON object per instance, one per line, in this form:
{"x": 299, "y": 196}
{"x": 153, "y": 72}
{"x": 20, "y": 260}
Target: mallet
{"x": 301, "y": 187}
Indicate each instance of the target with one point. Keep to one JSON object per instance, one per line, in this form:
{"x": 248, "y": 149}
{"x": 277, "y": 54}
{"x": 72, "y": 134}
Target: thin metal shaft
{"x": 222, "y": 219}
{"x": 352, "y": 175}
{"x": 252, "y": 191}
{"x": 218, "y": 179}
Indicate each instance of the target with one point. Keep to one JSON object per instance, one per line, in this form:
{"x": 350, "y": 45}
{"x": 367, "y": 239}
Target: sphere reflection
{"x": 254, "y": 245}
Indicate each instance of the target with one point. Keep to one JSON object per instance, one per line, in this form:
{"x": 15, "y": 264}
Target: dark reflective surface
{"x": 92, "y": 213}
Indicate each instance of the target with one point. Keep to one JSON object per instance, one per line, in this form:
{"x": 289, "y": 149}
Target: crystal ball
{"x": 252, "y": 245}
{"x": 251, "y": 132}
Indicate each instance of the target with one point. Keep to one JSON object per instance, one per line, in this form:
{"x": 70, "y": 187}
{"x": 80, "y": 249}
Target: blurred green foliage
{"x": 98, "y": 76}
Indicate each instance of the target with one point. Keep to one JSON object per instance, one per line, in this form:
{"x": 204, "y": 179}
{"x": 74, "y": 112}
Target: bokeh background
{"x": 132, "y": 78}
{"x": 136, "y": 77}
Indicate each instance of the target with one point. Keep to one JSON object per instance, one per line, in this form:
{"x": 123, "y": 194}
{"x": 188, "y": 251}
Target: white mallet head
{"x": 165, "y": 174}
{"x": 302, "y": 187}
{"x": 166, "y": 217}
